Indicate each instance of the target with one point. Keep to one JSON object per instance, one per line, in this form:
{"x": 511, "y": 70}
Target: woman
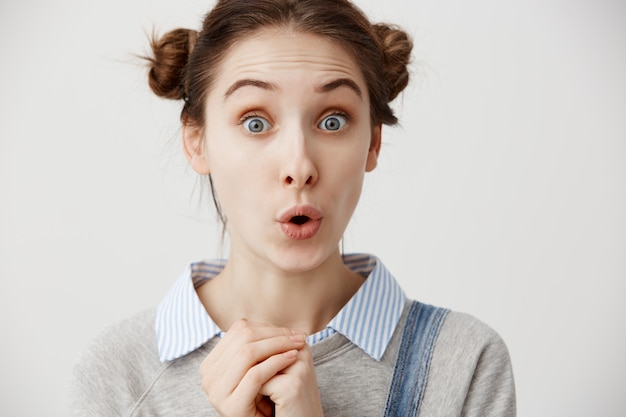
{"x": 284, "y": 102}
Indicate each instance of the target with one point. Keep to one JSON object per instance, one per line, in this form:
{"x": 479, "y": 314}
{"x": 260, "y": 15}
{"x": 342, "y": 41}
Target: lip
{"x": 304, "y": 230}
{"x": 300, "y": 210}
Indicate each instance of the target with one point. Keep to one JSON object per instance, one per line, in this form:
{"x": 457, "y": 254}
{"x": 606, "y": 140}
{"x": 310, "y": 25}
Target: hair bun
{"x": 396, "y": 46}
{"x": 167, "y": 65}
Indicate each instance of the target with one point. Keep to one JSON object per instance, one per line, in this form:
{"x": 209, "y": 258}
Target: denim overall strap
{"x": 410, "y": 374}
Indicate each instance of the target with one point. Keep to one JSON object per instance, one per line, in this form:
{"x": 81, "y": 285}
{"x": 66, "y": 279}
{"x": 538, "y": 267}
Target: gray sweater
{"x": 120, "y": 375}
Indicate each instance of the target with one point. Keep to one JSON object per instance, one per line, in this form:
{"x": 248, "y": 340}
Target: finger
{"x": 221, "y": 374}
{"x": 294, "y": 381}
{"x": 244, "y": 331}
{"x": 259, "y": 374}
{"x": 241, "y": 333}
{"x": 251, "y": 354}
{"x": 257, "y": 329}
{"x": 265, "y": 406}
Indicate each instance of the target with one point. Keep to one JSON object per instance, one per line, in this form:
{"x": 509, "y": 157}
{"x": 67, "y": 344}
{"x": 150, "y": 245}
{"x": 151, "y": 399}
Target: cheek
{"x": 222, "y": 166}
{"x": 241, "y": 181}
{"x": 346, "y": 175}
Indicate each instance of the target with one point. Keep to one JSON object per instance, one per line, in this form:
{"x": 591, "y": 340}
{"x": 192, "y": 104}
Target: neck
{"x": 306, "y": 301}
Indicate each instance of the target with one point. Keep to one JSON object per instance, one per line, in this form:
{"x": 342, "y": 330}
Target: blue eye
{"x": 256, "y": 124}
{"x": 333, "y": 122}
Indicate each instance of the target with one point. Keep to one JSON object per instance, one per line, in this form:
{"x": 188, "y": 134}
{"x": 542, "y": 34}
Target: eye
{"x": 333, "y": 122}
{"x": 256, "y": 124}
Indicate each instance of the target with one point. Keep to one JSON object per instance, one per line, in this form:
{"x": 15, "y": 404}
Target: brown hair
{"x": 184, "y": 61}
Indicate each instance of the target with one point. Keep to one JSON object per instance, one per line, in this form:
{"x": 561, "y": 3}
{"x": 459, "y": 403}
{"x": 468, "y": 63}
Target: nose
{"x": 298, "y": 167}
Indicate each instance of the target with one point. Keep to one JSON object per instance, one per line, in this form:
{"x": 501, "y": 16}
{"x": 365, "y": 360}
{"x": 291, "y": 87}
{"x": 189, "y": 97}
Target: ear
{"x": 372, "y": 155}
{"x": 193, "y": 148}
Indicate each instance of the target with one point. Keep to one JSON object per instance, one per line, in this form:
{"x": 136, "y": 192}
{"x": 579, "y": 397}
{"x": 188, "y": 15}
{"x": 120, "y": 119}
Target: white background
{"x": 502, "y": 194}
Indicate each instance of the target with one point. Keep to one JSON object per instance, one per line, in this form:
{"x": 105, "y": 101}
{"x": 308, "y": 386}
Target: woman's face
{"x": 287, "y": 141}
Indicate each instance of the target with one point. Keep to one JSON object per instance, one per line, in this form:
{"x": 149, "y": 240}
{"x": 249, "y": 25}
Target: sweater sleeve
{"x": 492, "y": 390}
{"x": 471, "y": 373}
{"x": 112, "y": 374}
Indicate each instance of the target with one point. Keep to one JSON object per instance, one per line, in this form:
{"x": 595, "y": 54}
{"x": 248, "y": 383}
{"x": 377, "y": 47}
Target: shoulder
{"x": 123, "y": 340}
{"x": 458, "y": 332}
{"x": 470, "y": 347}
{"x": 470, "y": 371}
{"x": 117, "y": 367}
{"x": 465, "y": 332}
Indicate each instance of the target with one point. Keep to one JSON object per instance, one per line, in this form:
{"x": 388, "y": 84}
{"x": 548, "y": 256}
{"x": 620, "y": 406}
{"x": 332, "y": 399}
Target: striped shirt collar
{"x": 368, "y": 319}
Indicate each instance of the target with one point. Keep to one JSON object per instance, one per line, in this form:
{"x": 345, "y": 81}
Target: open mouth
{"x": 299, "y": 220}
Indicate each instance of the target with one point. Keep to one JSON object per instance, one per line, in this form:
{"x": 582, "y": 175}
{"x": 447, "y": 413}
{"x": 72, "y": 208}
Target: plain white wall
{"x": 503, "y": 194}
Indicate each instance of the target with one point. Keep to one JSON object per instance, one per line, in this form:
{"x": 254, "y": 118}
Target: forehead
{"x": 279, "y": 53}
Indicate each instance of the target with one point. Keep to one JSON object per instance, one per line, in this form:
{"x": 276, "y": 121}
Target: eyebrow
{"x": 340, "y": 82}
{"x": 249, "y": 83}
{"x": 325, "y": 88}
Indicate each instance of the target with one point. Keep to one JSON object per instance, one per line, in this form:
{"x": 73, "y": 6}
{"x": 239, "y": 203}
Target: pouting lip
{"x": 300, "y": 210}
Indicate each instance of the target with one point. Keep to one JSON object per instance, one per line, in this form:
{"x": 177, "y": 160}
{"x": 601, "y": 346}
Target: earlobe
{"x": 372, "y": 155}
{"x": 193, "y": 148}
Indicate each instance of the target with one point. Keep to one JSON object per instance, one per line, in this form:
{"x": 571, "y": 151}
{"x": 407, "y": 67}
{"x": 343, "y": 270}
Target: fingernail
{"x": 291, "y": 354}
{"x": 298, "y": 338}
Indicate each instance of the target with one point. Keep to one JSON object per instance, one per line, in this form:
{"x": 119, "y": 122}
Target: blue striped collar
{"x": 368, "y": 320}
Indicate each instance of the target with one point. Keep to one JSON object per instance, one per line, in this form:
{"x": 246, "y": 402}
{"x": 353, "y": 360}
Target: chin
{"x": 300, "y": 260}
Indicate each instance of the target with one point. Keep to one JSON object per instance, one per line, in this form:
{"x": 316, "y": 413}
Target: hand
{"x": 294, "y": 390}
{"x": 247, "y": 357}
